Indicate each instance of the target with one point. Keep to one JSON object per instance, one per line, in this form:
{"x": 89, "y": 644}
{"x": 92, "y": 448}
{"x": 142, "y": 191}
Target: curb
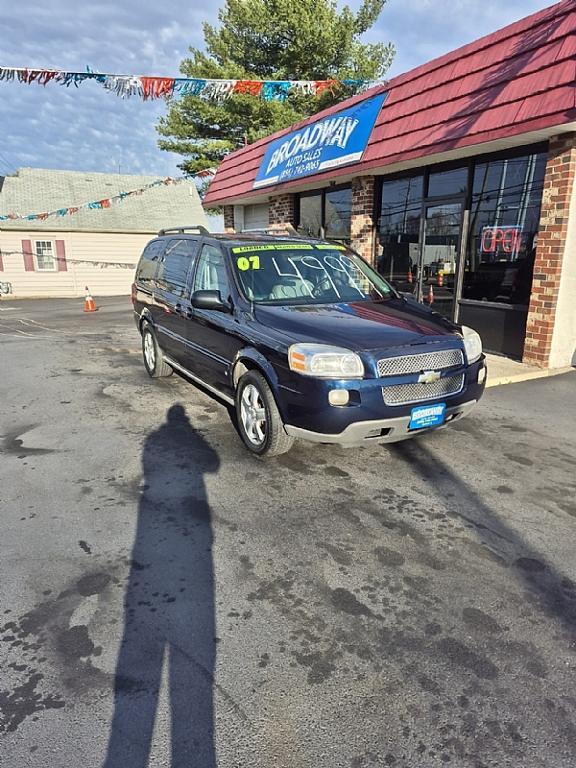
{"x": 527, "y": 376}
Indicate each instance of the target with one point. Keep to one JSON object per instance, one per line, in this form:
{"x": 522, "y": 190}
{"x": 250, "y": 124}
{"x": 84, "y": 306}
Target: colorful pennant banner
{"x": 7, "y": 287}
{"x": 149, "y": 88}
{"x": 100, "y": 204}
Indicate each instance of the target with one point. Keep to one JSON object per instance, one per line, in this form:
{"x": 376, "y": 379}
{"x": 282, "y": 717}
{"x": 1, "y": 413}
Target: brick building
{"x": 461, "y": 191}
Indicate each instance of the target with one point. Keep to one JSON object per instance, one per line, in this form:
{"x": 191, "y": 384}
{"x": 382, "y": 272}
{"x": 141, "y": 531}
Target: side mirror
{"x": 209, "y": 300}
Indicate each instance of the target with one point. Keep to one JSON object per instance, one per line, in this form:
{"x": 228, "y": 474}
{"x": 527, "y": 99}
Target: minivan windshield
{"x": 305, "y": 273}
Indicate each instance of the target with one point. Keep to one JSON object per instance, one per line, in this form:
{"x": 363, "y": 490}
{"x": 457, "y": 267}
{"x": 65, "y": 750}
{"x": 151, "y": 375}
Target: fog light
{"x": 482, "y": 375}
{"x": 338, "y": 397}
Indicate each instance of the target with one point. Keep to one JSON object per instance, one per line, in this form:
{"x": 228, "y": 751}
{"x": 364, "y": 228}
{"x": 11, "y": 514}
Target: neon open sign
{"x": 505, "y": 239}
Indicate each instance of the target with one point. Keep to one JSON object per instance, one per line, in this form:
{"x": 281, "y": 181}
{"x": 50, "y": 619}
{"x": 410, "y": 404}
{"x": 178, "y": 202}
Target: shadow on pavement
{"x": 169, "y": 624}
{"x": 553, "y": 590}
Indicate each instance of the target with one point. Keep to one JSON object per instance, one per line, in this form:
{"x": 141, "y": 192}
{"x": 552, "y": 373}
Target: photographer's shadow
{"x": 169, "y": 606}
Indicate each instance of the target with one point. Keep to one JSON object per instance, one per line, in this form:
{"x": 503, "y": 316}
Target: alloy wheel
{"x": 149, "y": 351}
{"x": 253, "y": 415}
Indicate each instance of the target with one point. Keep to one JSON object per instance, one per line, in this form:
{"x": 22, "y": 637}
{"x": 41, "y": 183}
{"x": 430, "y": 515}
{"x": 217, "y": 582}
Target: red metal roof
{"x": 519, "y": 79}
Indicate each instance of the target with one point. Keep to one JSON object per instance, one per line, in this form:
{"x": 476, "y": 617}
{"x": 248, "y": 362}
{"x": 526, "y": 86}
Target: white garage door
{"x": 256, "y": 216}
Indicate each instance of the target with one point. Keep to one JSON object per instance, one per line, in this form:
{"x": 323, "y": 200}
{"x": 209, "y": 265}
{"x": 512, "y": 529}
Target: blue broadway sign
{"x": 329, "y": 143}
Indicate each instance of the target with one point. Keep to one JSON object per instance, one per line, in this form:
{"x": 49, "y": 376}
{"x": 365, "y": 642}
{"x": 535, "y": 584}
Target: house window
{"x": 44, "y": 256}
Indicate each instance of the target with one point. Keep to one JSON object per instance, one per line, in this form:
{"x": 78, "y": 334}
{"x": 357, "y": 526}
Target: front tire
{"x": 154, "y": 362}
{"x": 259, "y": 421}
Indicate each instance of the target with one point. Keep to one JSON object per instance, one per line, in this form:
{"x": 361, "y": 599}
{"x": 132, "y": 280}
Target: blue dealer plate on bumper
{"x": 427, "y": 416}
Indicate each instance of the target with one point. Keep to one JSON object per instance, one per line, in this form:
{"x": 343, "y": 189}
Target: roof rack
{"x": 283, "y": 231}
{"x": 201, "y": 230}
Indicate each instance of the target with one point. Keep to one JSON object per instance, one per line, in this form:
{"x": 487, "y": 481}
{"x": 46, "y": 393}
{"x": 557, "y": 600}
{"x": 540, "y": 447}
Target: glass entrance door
{"x": 439, "y": 256}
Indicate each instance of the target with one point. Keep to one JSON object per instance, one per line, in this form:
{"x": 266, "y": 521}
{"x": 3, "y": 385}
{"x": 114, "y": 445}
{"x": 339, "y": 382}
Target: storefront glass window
{"x": 399, "y": 231}
{"x": 338, "y": 212}
{"x": 448, "y": 183}
{"x": 504, "y": 220}
{"x": 311, "y": 215}
{"x": 330, "y": 210}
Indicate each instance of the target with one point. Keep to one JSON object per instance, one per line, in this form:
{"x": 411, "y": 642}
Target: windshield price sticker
{"x": 280, "y": 247}
{"x": 287, "y": 247}
{"x": 248, "y": 262}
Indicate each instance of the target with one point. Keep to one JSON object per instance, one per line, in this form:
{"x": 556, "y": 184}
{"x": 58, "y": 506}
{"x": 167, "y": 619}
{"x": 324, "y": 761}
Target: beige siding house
{"x": 98, "y": 248}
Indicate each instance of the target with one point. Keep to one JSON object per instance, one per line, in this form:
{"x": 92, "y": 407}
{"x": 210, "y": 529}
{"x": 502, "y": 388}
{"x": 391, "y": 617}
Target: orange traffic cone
{"x": 430, "y": 295}
{"x": 440, "y": 279}
{"x": 410, "y": 278}
{"x": 89, "y": 303}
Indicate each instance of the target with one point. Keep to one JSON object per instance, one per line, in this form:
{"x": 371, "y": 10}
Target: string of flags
{"x": 149, "y": 88}
{"x": 7, "y": 287}
{"x": 106, "y": 202}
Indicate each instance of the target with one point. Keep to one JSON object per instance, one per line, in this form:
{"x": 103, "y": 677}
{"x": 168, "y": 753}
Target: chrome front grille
{"x": 426, "y": 361}
{"x": 403, "y": 394}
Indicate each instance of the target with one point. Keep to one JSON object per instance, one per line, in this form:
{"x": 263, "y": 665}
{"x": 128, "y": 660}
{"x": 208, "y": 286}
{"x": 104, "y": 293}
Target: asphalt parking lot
{"x": 166, "y": 599}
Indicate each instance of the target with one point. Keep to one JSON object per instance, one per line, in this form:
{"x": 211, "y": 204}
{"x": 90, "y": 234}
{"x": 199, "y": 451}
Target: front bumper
{"x": 378, "y": 431}
{"x": 304, "y": 405}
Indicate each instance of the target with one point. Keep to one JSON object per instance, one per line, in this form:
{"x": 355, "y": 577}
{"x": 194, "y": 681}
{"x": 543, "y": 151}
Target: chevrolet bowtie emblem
{"x": 428, "y": 377}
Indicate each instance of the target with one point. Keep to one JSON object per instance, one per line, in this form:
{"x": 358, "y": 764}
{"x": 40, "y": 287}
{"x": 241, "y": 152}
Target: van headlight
{"x": 325, "y": 361}
{"x": 472, "y": 344}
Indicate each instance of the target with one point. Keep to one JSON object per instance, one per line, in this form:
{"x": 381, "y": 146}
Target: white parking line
{"x": 20, "y": 333}
{"x": 28, "y": 321}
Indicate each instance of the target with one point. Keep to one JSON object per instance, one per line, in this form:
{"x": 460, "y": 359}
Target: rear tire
{"x": 154, "y": 362}
{"x": 259, "y": 421}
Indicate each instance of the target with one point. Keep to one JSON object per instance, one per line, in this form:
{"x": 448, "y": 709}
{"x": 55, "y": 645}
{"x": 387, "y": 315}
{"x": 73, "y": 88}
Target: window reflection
{"x": 504, "y": 222}
{"x": 331, "y": 211}
{"x": 448, "y": 183}
{"x": 399, "y": 229}
{"x": 173, "y": 270}
{"x": 311, "y": 215}
{"x": 338, "y": 213}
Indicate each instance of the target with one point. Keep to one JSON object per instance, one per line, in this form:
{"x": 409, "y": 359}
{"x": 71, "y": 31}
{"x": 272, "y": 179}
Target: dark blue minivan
{"x": 303, "y": 337}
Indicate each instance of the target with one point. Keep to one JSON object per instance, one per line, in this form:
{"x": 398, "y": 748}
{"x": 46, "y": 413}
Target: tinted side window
{"x": 175, "y": 266}
{"x": 211, "y": 272}
{"x": 149, "y": 261}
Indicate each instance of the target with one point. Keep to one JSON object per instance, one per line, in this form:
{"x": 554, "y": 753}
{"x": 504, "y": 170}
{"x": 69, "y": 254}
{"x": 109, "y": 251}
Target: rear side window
{"x": 148, "y": 262}
{"x": 175, "y": 266}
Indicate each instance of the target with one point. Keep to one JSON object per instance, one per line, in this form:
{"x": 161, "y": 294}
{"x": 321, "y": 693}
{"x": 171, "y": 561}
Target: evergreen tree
{"x": 269, "y": 40}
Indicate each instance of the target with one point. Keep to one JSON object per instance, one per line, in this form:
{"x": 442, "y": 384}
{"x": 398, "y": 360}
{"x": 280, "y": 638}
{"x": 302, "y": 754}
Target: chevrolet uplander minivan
{"x": 302, "y": 337}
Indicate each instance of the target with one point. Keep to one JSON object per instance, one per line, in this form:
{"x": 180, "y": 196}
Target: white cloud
{"x": 90, "y": 129}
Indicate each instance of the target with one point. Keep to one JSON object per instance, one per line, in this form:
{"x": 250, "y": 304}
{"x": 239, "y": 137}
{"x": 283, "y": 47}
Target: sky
{"x": 90, "y": 129}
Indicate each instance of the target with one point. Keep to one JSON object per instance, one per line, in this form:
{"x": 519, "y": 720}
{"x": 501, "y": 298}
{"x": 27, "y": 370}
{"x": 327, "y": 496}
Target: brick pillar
{"x": 551, "y": 248}
{"x": 363, "y": 225}
{"x": 229, "y": 218}
{"x": 282, "y": 211}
